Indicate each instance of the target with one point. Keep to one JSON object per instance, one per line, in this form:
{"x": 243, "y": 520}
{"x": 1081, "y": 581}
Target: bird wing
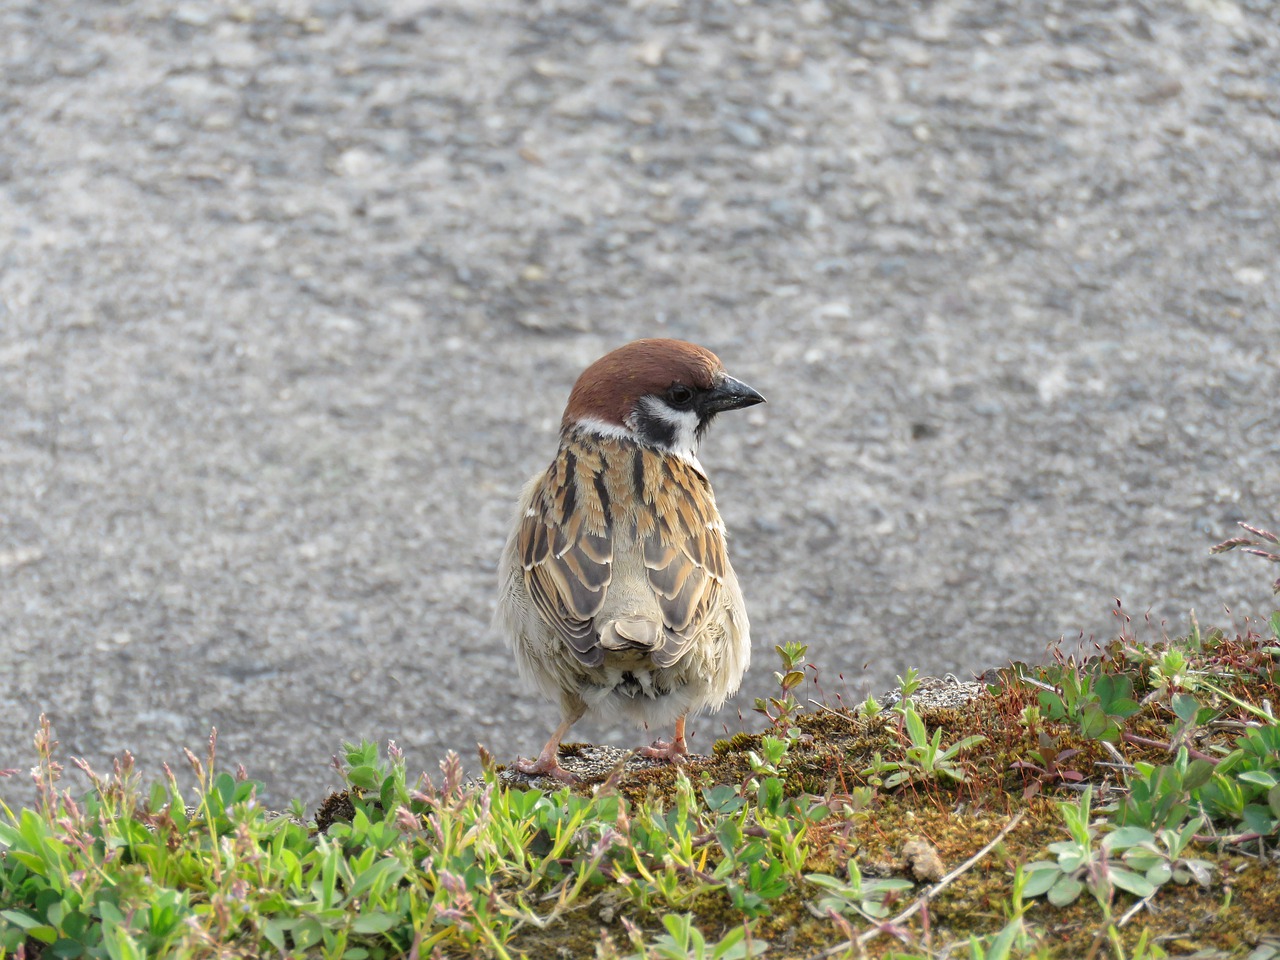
{"x": 566, "y": 548}
{"x": 684, "y": 549}
{"x": 567, "y": 537}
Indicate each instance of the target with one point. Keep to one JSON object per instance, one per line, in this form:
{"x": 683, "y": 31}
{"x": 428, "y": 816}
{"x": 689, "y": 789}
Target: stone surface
{"x": 292, "y": 293}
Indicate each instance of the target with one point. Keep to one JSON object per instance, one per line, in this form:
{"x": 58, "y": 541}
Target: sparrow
{"x": 616, "y": 595}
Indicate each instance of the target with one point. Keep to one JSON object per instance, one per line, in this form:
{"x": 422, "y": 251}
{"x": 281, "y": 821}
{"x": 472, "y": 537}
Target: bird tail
{"x": 631, "y": 633}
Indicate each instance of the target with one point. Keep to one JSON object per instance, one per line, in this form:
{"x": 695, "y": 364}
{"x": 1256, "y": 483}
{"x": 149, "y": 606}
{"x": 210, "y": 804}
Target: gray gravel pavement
{"x": 292, "y": 294}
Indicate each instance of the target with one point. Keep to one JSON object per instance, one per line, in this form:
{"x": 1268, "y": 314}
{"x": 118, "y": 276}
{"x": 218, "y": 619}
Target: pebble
{"x": 166, "y": 135}
{"x": 743, "y": 133}
{"x": 194, "y": 14}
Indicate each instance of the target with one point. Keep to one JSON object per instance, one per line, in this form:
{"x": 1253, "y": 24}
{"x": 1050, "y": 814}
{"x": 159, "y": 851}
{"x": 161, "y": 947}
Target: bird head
{"x": 662, "y": 393}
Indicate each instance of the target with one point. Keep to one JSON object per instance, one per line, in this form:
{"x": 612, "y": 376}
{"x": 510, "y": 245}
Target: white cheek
{"x": 686, "y": 443}
{"x": 684, "y": 432}
{"x": 601, "y": 429}
{"x": 684, "y": 423}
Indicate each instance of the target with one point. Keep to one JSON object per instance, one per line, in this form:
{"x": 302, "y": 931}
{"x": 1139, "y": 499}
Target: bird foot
{"x": 673, "y": 750}
{"x": 545, "y": 766}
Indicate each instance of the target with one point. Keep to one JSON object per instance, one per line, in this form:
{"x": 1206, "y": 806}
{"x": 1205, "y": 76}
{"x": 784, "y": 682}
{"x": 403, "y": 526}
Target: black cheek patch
{"x": 654, "y": 430}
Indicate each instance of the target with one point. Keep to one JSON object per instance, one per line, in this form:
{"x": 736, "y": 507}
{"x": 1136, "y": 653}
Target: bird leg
{"x": 673, "y": 750}
{"x": 547, "y": 764}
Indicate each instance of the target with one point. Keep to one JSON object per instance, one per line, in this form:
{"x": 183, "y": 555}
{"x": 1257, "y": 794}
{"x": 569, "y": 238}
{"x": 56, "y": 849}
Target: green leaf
{"x": 916, "y": 729}
{"x": 307, "y": 933}
{"x": 522, "y": 802}
{"x": 1051, "y": 704}
{"x": 722, "y": 799}
{"x": 1143, "y": 861}
{"x": 769, "y": 796}
{"x": 792, "y": 679}
{"x": 275, "y": 929}
{"x": 1071, "y": 860}
{"x": 44, "y": 933}
{"x": 1123, "y": 708}
{"x": 1066, "y": 891}
{"x": 1115, "y": 694}
{"x": 365, "y": 777}
{"x": 1186, "y": 707}
{"x": 20, "y": 919}
{"x": 75, "y": 923}
{"x": 377, "y": 878}
{"x": 121, "y": 946}
{"x": 1262, "y": 778}
{"x": 825, "y": 880}
{"x": 1124, "y": 837}
{"x": 1258, "y": 819}
{"x": 375, "y": 922}
{"x": 1198, "y": 774}
{"x": 1040, "y": 876}
{"x": 1135, "y": 883}
{"x": 1096, "y": 725}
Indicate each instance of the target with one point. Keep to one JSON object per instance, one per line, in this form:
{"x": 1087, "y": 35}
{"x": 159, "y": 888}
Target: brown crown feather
{"x": 609, "y": 388}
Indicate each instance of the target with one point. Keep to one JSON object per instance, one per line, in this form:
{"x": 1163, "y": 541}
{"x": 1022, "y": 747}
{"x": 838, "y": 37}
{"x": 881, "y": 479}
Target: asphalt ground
{"x": 292, "y": 294}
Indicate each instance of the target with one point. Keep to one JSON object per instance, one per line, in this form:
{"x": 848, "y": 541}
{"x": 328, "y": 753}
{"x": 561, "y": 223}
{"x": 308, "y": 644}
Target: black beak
{"x": 730, "y": 394}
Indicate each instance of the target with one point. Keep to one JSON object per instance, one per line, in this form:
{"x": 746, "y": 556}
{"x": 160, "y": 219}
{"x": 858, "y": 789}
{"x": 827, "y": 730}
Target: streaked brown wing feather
{"x": 684, "y": 551}
{"x": 566, "y": 548}
{"x": 567, "y": 541}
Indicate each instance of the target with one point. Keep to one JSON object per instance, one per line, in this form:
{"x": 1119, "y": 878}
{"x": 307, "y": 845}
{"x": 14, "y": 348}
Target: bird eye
{"x": 679, "y": 396}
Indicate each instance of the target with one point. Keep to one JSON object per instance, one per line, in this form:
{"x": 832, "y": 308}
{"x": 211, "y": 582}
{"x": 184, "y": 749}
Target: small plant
{"x": 771, "y": 758}
{"x": 1082, "y": 863}
{"x": 1097, "y": 702}
{"x": 751, "y": 878}
{"x": 1161, "y": 856}
{"x": 1047, "y": 764}
{"x": 781, "y": 710}
{"x": 1245, "y": 785}
{"x": 925, "y": 759}
{"x": 870, "y": 899}
{"x": 1013, "y": 939}
{"x": 907, "y": 686}
{"x": 1160, "y": 797}
{"x": 1170, "y": 674}
{"x": 684, "y": 941}
{"x": 876, "y": 770}
{"x": 1031, "y": 716}
{"x": 398, "y": 866}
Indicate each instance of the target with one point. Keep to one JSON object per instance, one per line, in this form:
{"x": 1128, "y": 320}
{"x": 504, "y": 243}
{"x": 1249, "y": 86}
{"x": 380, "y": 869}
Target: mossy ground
{"x": 1239, "y": 909}
{"x": 729, "y": 841}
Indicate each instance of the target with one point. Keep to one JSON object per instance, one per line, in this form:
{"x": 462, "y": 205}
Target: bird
{"x": 616, "y": 594}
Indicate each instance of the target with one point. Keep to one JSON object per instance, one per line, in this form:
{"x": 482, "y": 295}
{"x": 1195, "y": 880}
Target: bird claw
{"x": 545, "y": 767}
{"x": 673, "y": 750}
